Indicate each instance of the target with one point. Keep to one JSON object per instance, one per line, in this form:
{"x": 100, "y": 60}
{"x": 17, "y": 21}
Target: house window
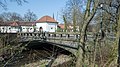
{"x": 23, "y": 28}
{"x": 51, "y": 27}
{"x": 9, "y": 28}
{"x": 2, "y": 28}
{"x": 40, "y": 29}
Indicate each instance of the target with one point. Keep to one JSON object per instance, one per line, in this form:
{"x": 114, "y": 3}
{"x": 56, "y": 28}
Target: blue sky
{"x": 39, "y": 7}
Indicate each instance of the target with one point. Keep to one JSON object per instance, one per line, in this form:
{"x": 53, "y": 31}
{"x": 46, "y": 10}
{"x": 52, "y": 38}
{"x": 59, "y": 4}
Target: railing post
{"x": 68, "y": 35}
{"x": 20, "y": 34}
{"x": 60, "y": 35}
{"x": 48, "y": 35}
{"x": 38, "y": 34}
{"x": 27, "y": 34}
{"x": 76, "y": 36}
{"x": 54, "y": 35}
{"x": 43, "y": 34}
{"x": 35, "y": 34}
{"x": 32, "y": 36}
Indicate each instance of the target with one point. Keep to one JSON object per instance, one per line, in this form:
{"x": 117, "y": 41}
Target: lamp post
{"x": 101, "y": 33}
{"x": 101, "y": 20}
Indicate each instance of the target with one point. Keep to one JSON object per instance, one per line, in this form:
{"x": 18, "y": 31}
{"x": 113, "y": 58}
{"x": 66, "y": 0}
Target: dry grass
{"x": 61, "y": 59}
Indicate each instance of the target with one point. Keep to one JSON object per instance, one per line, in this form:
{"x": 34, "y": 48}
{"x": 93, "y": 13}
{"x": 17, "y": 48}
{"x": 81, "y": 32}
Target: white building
{"x": 14, "y": 27}
{"x": 46, "y": 23}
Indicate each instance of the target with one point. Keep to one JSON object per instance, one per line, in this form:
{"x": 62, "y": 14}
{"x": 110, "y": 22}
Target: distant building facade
{"x": 69, "y": 27}
{"x": 46, "y": 23}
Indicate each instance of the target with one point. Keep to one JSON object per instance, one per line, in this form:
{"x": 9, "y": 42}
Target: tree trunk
{"x": 74, "y": 21}
{"x": 118, "y": 37}
{"x": 81, "y": 50}
{"x": 118, "y": 61}
{"x": 65, "y": 23}
{"x": 87, "y": 18}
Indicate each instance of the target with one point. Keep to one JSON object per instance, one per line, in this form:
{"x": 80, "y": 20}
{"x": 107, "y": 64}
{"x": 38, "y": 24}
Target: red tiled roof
{"x": 61, "y": 26}
{"x": 17, "y": 23}
{"x": 46, "y": 19}
{"x": 14, "y": 24}
{"x": 5, "y": 23}
{"x": 27, "y": 23}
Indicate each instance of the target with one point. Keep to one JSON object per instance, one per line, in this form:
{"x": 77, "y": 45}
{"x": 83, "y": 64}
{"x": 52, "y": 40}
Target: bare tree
{"x": 1, "y": 19}
{"x": 112, "y": 7}
{"x": 3, "y": 3}
{"x": 89, "y": 14}
{"x": 11, "y": 16}
{"x": 65, "y": 23}
{"x": 73, "y": 13}
{"x": 30, "y": 16}
{"x": 116, "y": 4}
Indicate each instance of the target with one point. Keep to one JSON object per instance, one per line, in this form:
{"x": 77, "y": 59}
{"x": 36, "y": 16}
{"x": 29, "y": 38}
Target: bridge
{"x": 67, "y": 41}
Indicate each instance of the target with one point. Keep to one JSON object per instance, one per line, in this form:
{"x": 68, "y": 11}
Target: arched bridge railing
{"x": 63, "y": 36}
{"x": 49, "y": 35}
{"x": 68, "y": 41}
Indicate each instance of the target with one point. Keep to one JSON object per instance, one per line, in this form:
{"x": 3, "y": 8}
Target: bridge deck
{"x": 68, "y": 41}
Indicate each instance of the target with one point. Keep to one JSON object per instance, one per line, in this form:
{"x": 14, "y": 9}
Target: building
{"x": 46, "y": 24}
{"x": 69, "y": 27}
{"x": 16, "y": 26}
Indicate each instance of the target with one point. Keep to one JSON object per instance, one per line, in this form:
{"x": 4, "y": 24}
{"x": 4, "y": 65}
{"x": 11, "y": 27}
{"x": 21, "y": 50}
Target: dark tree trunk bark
{"x": 118, "y": 61}
{"x": 118, "y": 36}
{"x": 87, "y": 18}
